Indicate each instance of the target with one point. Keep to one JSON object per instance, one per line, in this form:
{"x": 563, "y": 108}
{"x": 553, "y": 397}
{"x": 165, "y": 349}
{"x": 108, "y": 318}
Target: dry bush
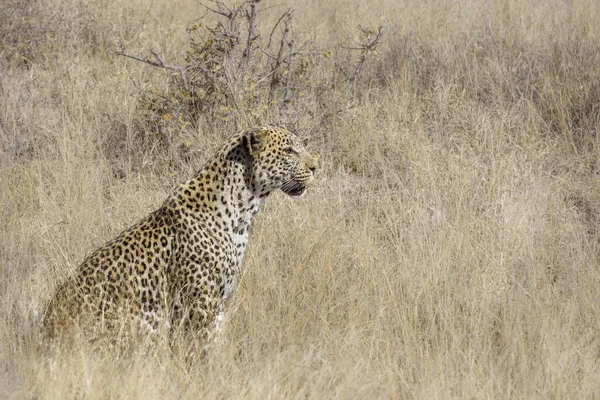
{"x": 449, "y": 248}
{"x": 244, "y": 65}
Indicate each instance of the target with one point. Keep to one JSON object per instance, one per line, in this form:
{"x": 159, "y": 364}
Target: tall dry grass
{"x": 448, "y": 250}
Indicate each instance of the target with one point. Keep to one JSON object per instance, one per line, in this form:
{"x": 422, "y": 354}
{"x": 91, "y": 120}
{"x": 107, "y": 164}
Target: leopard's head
{"x": 279, "y": 161}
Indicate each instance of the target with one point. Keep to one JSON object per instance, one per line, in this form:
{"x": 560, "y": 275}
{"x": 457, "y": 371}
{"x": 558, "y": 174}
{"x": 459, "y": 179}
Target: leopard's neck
{"x": 220, "y": 196}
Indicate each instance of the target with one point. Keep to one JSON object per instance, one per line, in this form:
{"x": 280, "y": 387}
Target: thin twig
{"x": 280, "y": 54}
{"x": 158, "y": 63}
{"x": 351, "y": 47}
{"x": 275, "y": 27}
{"x": 287, "y": 93}
{"x": 365, "y": 48}
{"x": 262, "y": 10}
{"x": 271, "y": 56}
{"x": 220, "y": 5}
{"x": 251, "y": 16}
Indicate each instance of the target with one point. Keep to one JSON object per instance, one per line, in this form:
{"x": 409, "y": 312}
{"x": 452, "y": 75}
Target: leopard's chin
{"x": 296, "y": 191}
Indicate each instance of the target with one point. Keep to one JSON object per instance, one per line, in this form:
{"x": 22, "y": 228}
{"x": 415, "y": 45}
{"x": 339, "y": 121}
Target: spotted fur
{"x": 179, "y": 265}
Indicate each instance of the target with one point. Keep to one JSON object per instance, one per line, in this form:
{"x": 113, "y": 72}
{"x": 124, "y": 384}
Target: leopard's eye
{"x": 291, "y": 150}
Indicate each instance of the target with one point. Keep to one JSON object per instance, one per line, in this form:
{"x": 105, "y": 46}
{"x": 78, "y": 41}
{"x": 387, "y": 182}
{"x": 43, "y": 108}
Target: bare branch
{"x": 229, "y": 13}
{"x": 210, "y": 75}
{"x": 351, "y": 47}
{"x": 343, "y": 71}
{"x": 308, "y": 53}
{"x": 271, "y": 56}
{"x": 280, "y": 54}
{"x": 275, "y": 27}
{"x": 268, "y": 8}
{"x": 158, "y": 63}
{"x": 303, "y": 45}
{"x": 287, "y": 93}
{"x": 369, "y": 44}
{"x": 220, "y": 5}
{"x": 251, "y": 16}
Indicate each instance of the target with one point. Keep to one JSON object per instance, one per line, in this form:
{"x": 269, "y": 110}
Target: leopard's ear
{"x": 254, "y": 140}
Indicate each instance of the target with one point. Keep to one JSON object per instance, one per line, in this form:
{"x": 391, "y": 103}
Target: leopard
{"x": 179, "y": 266}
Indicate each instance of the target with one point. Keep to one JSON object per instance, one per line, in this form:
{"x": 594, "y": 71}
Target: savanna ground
{"x": 449, "y": 249}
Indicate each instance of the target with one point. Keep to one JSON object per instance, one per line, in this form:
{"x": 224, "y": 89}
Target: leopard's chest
{"x": 230, "y": 272}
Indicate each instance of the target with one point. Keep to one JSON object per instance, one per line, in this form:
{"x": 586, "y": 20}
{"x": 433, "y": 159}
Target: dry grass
{"x": 449, "y": 249}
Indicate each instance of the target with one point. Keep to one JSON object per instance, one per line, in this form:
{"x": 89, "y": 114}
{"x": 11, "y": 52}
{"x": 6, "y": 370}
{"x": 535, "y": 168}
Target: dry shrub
{"x": 246, "y": 66}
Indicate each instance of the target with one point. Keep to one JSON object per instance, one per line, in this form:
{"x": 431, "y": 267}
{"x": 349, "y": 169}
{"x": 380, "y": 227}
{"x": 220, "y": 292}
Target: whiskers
{"x": 293, "y": 187}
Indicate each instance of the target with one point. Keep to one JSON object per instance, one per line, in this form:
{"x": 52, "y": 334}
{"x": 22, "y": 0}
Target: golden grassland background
{"x": 449, "y": 248}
